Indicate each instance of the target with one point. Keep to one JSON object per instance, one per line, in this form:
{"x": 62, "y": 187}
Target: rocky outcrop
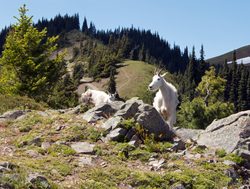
{"x": 102, "y": 111}
{"x": 143, "y": 114}
{"x": 231, "y": 134}
{"x": 188, "y": 134}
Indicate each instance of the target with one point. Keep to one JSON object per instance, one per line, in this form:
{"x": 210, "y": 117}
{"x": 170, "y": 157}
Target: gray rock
{"x": 117, "y": 134}
{"x": 13, "y": 114}
{"x": 102, "y": 111}
{"x": 38, "y": 181}
{"x": 85, "y": 160}
{"x": 129, "y": 108}
{"x": 186, "y": 134}
{"x": 130, "y": 134}
{"x": 177, "y": 186}
{"x": 229, "y": 163}
{"x": 151, "y": 121}
{"x": 45, "y": 145}
{"x": 8, "y": 165}
{"x": 135, "y": 141}
{"x": 32, "y": 153}
{"x": 157, "y": 164}
{"x": 178, "y": 145}
{"x": 83, "y": 147}
{"x": 244, "y": 154}
{"x": 230, "y": 133}
{"x": 112, "y": 123}
{"x": 37, "y": 141}
{"x": 230, "y": 172}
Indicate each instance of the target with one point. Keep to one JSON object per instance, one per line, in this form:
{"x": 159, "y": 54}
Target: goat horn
{"x": 159, "y": 72}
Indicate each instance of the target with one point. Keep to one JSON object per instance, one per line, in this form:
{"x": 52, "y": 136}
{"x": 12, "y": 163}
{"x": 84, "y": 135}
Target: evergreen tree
{"x": 203, "y": 64}
{"x": 26, "y": 64}
{"x": 234, "y": 84}
{"x": 85, "y": 28}
{"x": 248, "y": 92}
{"x": 242, "y": 91}
{"x": 112, "y": 83}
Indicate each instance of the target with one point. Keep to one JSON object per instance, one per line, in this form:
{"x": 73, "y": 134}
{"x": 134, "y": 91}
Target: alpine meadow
{"x": 82, "y": 107}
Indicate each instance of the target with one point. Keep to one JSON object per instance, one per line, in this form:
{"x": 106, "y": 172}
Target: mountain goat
{"x": 166, "y": 99}
{"x": 96, "y": 97}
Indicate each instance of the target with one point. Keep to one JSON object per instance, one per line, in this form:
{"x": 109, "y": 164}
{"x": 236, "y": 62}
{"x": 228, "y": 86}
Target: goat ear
{"x": 164, "y": 74}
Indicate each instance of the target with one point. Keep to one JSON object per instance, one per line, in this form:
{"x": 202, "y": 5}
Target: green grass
{"x": 19, "y": 102}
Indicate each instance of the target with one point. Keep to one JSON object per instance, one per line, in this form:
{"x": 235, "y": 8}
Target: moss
{"x": 235, "y": 158}
{"x": 140, "y": 154}
{"x": 220, "y": 153}
{"x": 60, "y": 150}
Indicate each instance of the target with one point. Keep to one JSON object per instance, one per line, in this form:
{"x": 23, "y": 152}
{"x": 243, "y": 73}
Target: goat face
{"x": 156, "y": 83}
{"x": 86, "y": 97}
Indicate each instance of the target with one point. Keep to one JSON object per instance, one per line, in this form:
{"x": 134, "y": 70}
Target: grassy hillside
{"x": 132, "y": 80}
{"x": 18, "y": 102}
{"x": 240, "y": 53}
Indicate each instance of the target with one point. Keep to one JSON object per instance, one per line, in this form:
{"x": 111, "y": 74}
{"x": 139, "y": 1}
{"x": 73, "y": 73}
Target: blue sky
{"x": 220, "y": 25}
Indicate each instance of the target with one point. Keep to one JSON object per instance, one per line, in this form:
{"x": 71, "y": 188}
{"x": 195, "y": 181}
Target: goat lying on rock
{"x": 96, "y": 97}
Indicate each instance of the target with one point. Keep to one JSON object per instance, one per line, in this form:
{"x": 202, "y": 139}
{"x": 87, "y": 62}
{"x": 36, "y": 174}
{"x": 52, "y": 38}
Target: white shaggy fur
{"x": 96, "y": 97}
{"x": 166, "y": 99}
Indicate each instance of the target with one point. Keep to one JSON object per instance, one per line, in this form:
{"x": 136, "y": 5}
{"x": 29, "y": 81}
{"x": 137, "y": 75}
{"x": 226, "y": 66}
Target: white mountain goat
{"x": 166, "y": 99}
{"x": 96, "y": 97}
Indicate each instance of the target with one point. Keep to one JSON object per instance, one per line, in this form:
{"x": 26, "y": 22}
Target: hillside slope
{"x": 242, "y": 52}
{"x": 132, "y": 79}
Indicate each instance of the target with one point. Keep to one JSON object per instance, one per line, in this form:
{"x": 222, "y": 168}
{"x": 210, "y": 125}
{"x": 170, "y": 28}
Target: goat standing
{"x": 166, "y": 99}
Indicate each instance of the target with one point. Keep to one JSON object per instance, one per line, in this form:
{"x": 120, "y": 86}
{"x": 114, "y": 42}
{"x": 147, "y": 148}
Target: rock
{"x": 129, "y": 108}
{"x": 38, "y": 181}
{"x": 157, "y": 164}
{"x": 45, "y": 145}
{"x": 151, "y": 121}
{"x": 85, "y": 160}
{"x": 178, "y": 145}
{"x": 135, "y": 141}
{"x": 230, "y": 172}
{"x": 230, "y": 133}
{"x": 83, "y": 147}
{"x": 130, "y": 134}
{"x": 37, "y": 141}
{"x": 13, "y": 114}
{"x": 102, "y": 111}
{"x": 229, "y": 163}
{"x": 244, "y": 154}
{"x": 186, "y": 134}
{"x": 8, "y": 165}
{"x": 112, "y": 123}
{"x": 60, "y": 127}
{"x": 32, "y": 153}
{"x": 117, "y": 134}
{"x": 177, "y": 186}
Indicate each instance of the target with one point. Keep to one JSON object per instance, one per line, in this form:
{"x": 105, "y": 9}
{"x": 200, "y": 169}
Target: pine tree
{"x": 234, "y": 84}
{"x": 26, "y": 64}
{"x": 112, "y": 83}
{"x": 242, "y": 91}
{"x": 248, "y": 92}
{"x": 227, "y": 76}
{"x": 85, "y": 28}
{"x": 203, "y": 64}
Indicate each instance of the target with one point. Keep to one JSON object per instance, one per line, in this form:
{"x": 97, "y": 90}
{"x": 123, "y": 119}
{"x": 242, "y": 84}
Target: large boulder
{"x": 231, "y": 133}
{"x": 151, "y": 121}
{"x": 129, "y": 108}
{"x": 102, "y": 111}
{"x": 187, "y": 134}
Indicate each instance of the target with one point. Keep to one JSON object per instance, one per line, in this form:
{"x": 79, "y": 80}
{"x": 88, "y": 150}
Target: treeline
{"x": 237, "y": 90}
